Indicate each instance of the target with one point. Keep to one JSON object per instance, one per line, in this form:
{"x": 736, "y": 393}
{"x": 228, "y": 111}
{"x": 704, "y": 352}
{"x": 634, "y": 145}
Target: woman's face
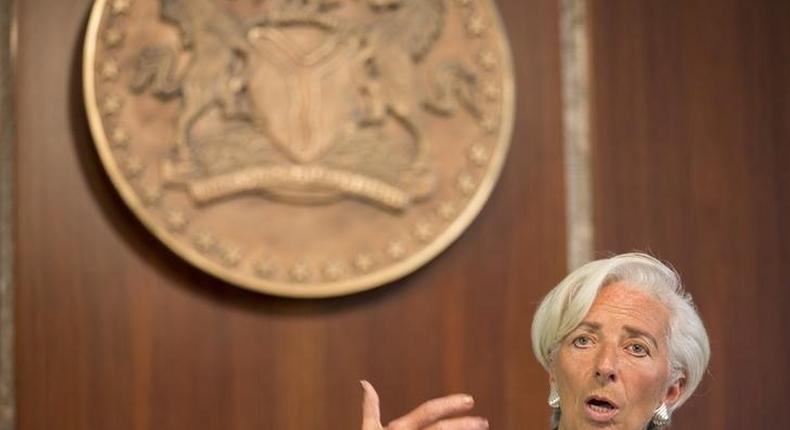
{"x": 612, "y": 371}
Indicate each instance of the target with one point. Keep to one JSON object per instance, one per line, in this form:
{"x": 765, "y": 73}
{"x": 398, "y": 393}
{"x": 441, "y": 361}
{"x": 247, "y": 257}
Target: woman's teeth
{"x": 600, "y": 406}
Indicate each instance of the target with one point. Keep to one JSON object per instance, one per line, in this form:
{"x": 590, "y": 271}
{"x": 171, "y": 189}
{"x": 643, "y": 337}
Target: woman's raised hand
{"x": 445, "y": 413}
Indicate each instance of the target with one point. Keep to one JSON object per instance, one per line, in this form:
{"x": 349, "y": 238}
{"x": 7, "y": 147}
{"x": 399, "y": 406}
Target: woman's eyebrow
{"x": 635, "y": 332}
{"x": 589, "y": 326}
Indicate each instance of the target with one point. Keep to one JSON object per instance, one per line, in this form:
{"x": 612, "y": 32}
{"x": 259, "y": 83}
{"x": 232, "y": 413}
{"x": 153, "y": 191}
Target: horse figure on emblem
{"x": 215, "y": 74}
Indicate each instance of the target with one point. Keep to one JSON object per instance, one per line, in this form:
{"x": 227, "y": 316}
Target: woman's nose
{"x": 606, "y": 365}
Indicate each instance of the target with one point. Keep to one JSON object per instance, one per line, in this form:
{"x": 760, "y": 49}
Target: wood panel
{"x": 692, "y": 147}
{"x": 115, "y": 332}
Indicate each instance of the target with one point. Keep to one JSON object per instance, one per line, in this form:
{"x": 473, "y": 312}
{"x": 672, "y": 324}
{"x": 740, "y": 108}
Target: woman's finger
{"x": 432, "y": 411}
{"x": 462, "y": 423}
{"x": 371, "y": 416}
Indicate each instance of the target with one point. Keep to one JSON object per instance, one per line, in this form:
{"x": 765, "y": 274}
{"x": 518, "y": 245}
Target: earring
{"x": 554, "y": 398}
{"x": 661, "y": 416}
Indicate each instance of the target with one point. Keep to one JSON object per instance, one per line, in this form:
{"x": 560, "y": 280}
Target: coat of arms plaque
{"x": 303, "y": 148}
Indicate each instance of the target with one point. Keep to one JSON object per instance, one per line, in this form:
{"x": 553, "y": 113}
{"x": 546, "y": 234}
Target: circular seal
{"x": 304, "y": 148}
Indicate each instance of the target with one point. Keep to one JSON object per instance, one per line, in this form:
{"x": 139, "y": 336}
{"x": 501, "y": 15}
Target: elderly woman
{"x": 622, "y": 344}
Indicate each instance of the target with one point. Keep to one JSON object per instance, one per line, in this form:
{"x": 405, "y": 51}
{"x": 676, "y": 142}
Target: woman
{"x": 622, "y": 344}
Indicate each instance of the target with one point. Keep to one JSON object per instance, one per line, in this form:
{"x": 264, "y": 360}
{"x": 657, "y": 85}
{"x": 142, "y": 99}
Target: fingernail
{"x": 468, "y": 400}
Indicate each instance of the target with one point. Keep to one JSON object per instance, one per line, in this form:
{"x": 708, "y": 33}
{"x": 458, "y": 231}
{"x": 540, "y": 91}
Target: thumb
{"x": 371, "y": 416}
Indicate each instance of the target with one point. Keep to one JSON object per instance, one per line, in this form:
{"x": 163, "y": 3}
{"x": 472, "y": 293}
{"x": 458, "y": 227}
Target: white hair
{"x": 568, "y": 303}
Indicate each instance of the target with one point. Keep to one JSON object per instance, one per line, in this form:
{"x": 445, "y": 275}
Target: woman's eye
{"x": 582, "y": 342}
{"x": 638, "y": 350}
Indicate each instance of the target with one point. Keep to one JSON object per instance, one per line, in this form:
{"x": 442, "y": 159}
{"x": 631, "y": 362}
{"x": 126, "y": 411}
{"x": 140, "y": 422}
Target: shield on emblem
{"x": 303, "y": 88}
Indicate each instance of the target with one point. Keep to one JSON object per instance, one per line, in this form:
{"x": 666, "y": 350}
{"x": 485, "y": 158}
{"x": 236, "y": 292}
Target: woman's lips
{"x": 600, "y": 408}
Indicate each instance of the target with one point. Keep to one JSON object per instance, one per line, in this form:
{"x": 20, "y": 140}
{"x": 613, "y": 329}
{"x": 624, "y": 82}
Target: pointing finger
{"x": 371, "y": 416}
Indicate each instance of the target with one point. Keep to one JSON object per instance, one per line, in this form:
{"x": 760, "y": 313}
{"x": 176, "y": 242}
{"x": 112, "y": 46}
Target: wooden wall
{"x": 115, "y": 332}
{"x": 691, "y": 143}
{"x": 692, "y": 149}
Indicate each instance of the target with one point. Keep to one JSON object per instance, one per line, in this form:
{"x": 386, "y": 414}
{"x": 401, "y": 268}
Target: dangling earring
{"x": 661, "y": 416}
{"x": 554, "y": 398}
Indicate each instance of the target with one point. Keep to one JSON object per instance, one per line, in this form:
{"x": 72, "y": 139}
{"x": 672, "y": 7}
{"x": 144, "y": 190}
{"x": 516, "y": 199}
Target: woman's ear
{"x": 675, "y": 390}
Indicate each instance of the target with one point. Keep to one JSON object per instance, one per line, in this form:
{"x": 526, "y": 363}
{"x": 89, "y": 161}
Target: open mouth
{"x": 600, "y": 408}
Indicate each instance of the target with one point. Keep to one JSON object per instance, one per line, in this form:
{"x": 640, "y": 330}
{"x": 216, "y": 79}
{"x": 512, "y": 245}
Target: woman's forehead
{"x": 625, "y": 307}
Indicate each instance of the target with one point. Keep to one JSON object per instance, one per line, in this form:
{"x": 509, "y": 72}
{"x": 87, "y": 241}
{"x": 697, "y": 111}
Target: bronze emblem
{"x": 303, "y": 148}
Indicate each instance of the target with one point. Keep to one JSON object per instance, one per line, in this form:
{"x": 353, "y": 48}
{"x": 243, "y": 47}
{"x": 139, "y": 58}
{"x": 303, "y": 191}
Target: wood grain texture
{"x": 692, "y": 148}
{"x": 115, "y": 332}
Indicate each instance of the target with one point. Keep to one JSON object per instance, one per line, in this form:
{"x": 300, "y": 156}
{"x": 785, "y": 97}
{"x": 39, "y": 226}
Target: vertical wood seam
{"x": 7, "y": 183}
{"x": 575, "y": 58}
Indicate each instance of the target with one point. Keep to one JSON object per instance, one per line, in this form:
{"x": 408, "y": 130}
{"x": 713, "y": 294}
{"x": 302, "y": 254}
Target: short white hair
{"x": 569, "y": 302}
